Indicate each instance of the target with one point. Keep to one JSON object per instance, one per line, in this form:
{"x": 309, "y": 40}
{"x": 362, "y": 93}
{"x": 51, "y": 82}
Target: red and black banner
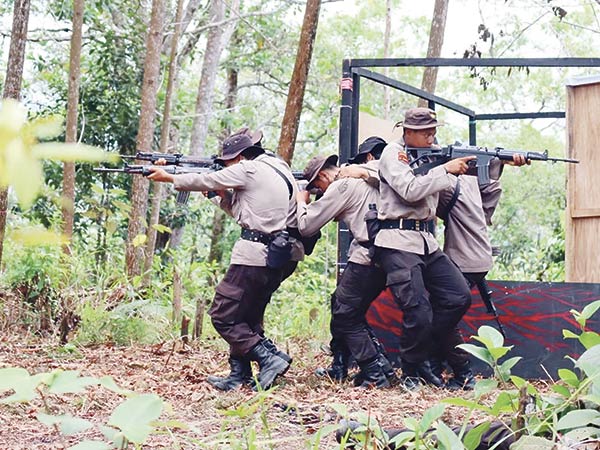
{"x": 533, "y": 316}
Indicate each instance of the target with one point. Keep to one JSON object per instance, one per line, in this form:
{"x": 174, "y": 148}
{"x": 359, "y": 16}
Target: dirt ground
{"x": 289, "y": 417}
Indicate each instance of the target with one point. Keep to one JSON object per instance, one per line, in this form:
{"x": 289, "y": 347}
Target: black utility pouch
{"x": 372, "y": 223}
{"x": 279, "y": 251}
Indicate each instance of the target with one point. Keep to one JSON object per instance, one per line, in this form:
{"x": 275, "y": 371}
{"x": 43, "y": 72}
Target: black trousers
{"x": 432, "y": 294}
{"x": 358, "y": 287}
{"x": 238, "y": 308}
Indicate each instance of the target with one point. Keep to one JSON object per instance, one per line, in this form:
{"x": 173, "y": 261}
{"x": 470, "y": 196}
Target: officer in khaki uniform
{"x": 426, "y": 285}
{"x": 347, "y": 199}
{"x": 258, "y": 198}
{"x": 466, "y": 209}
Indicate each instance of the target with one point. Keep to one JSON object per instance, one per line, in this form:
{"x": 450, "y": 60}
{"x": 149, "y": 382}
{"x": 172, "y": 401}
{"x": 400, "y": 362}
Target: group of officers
{"x": 397, "y": 250}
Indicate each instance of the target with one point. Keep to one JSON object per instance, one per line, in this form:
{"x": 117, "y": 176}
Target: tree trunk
{"x": 68, "y": 201}
{"x": 218, "y": 37}
{"x": 139, "y": 188}
{"x": 177, "y": 295}
{"x": 293, "y": 108}
{"x": 12, "y": 85}
{"x": 386, "y": 53}
{"x": 436, "y": 40}
{"x": 157, "y": 191}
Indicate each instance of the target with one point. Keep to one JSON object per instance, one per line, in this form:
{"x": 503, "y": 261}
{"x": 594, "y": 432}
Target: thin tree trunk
{"x": 177, "y": 296}
{"x": 293, "y": 108}
{"x": 139, "y": 188}
{"x": 12, "y": 85}
{"x": 157, "y": 191}
{"x": 434, "y": 50}
{"x": 68, "y": 202}
{"x": 217, "y": 39}
{"x": 386, "y": 53}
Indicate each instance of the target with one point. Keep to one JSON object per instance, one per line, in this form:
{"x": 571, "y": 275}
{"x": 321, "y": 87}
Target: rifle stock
{"x": 486, "y": 295}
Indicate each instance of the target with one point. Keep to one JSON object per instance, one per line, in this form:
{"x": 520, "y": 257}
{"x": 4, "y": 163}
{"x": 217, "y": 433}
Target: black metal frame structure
{"x": 354, "y": 70}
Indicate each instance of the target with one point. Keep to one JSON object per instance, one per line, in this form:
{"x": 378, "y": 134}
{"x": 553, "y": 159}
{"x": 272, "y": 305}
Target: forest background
{"x": 130, "y": 274}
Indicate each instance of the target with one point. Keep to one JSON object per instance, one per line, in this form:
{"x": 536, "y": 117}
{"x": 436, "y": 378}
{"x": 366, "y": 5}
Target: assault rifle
{"x": 434, "y": 157}
{"x": 173, "y": 159}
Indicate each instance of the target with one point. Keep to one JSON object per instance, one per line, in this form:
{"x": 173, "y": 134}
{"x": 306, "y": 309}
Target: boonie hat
{"x": 255, "y": 137}
{"x": 419, "y": 119}
{"x": 234, "y": 145}
{"x": 315, "y": 165}
{"x": 370, "y": 144}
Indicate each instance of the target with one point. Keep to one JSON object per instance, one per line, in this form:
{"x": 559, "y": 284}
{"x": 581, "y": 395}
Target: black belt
{"x": 408, "y": 224}
{"x": 257, "y": 236}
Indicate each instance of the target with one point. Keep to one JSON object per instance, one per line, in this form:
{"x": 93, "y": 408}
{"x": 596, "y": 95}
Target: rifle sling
{"x": 280, "y": 173}
{"x": 446, "y": 213}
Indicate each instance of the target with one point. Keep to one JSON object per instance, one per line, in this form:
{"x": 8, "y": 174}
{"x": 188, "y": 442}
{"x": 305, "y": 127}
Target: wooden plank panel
{"x": 582, "y": 240}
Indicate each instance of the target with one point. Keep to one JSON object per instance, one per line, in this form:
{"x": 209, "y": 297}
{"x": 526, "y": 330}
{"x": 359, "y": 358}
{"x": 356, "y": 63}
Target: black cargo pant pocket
{"x": 226, "y": 305}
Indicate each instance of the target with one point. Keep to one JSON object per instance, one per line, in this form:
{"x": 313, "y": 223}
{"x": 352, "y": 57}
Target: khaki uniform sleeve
{"x": 401, "y": 179}
{"x": 232, "y": 177}
{"x": 490, "y": 197}
{"x": 312, "y": 217}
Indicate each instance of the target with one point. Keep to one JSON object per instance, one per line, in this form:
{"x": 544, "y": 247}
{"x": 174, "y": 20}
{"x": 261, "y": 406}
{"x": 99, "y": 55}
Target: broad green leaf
{"x": 13, "y": 117}
{"x": 532, "y": 443}
{"x": 108, "y": 382}
{"x": 12, "y": 376}
{"x": 33, "y": 236}
{"x": 47, "y": 419}
{"x": 509, "y": 363}
{"x": 432, "y": 414}
{"x": 491, "y": 334}
{"x": 459, "y": 401}
{"x": 569, "y": 377}
{"x": 473, "y": 436}
{"x": 140, "y": 239}
{"x": 561, "y": 390}
{"x": 402, "y": 438}
{"x": 162, "y": 228}
{"x": 69, "y": 382}
{"x": 70, "y": 425}
{"x": 593, "y": 398}
{"x": 587, "y": 312}
{"x": 47, "y": 127}
{"x": 589, "y": 362}
{"x": 90, "y": 445}
{"x": 60, "y": 151}
{"x": 589, "y": 339}
{"x": 583, "y": 433}
{"x": 577, "y": 418}
{"x": 447, "y": 439}
{"x": 485, "y": 386}
{"x": 480, "y": 353}
{"x": 19, "y": 381}
{"x": 503, "y": 403}
{"x": 133, "y": 417}
{"x": 518, "y": 381}
{"x": 498, "y": 352}
{"x": 411, "y": 423}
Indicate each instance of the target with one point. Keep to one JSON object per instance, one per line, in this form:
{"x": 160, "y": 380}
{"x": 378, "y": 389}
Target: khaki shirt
{"x": 259, "y": 201}
{"x": 404, "y": 195}
{"x": 466, "y": 239}
{"x": 345, "y": 199}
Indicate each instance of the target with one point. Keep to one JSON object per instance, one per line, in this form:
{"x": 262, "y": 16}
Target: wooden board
{"x": 582, "y": 252}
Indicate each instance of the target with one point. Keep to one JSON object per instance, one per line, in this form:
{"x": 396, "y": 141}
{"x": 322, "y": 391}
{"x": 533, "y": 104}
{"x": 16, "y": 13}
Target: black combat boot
{"x": 271, "y": 365}
{"x": 437, "y": 366}
{"x": 426, "y": 374}
{"x": 463, "y": 379}
{"x": 273, "y": 349}
{"x": 241, "y": 373}
{"x": 414, "y": 373}
{"x": 372, "y": 375}
{"x": 338, "y": 370}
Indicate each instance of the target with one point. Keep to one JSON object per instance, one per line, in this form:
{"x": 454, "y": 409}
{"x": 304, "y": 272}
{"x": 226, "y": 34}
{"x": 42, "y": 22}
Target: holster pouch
{"x": 279, "y": 251}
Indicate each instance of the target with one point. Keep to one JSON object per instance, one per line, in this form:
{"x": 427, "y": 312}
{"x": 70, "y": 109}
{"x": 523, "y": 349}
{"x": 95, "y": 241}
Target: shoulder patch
{"x": 343, "y": 186}
{"x": 402, "y": 156}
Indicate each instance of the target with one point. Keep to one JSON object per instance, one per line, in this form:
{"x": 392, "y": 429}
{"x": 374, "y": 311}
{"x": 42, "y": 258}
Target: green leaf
{"x": 35, "y": 236}
{"x": 480, "y": 353}
{"x": 561, "y": 390}
{"x": 485, "y": 386}
{"x": 589, "y": 362}
{"x": 569, "y": 335}
{"x": 582, "y": 434}
{"x": 532, "y": 443}
{"x": 46, "y": 127}
{"x": 162, "y": 228}
{"x": 459, "y": 401}
{"x": 503, "y": 403}
{"x": 509, "y": 363}
{"x": 447, "y": 439}
{"x": 491, "y": 334}
{"x": 569, "y": 377}
{"x": 473, "y": 436}
{"x": 577, "y": 418}
{"x": 19, "y": 381}
{"x": 23, "y": 172}
{"x": 140, "y": 239}
{"x": 69, "y": 382}
{"x": 13, "y": 117}
{"x": 11, "y": 377}
{"x": 90, "y": 445}
{"x": 60, "y": 151}
{"x": 70, "y": 425}
{"x": 518, "y": 381}
{"x": 432, "y": 414}
{"x": 586, "y": 313}
{"x": 109, "y": 383}
{"x": 589, "y": 339}
{"x": 498, "y": 352}
{"x": 133, "y": 417}
{"x": 402, "y": 438}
